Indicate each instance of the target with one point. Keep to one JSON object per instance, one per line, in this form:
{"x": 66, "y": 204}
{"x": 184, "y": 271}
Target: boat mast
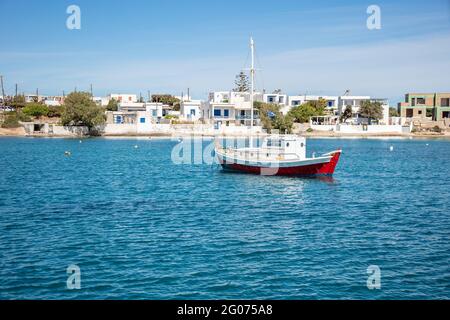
{"x": 252, "y": 79}
{"x": 252, "y": 88}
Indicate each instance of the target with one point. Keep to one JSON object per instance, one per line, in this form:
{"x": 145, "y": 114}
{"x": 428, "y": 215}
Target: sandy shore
{"x": 14, "y": 132}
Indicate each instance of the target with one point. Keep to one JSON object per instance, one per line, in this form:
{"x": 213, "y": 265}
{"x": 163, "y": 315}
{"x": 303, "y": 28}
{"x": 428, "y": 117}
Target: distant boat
{"x": 278, "y": 155}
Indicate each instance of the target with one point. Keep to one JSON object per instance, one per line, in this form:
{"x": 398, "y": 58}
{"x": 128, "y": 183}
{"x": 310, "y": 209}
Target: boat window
{"x": 287, "y": 144}
{"x": 302, "y": 145}
{"x": 273, "y": 143}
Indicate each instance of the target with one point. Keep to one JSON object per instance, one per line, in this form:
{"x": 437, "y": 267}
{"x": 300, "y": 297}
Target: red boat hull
{"x": 318, "y": 169}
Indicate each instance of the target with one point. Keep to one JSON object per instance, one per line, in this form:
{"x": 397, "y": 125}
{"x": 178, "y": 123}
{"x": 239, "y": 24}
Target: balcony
{"x": 246, "y": 117}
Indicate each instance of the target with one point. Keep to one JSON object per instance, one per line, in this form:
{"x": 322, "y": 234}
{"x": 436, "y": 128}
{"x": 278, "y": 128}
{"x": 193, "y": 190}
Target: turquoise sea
{"x": 141, "y": 227}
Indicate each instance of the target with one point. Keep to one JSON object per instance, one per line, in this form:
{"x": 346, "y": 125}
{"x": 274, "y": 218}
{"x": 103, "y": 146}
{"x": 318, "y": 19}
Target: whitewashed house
{"x": 156, "y": 109}
{"x": 123, "y": 97}
{"x": 101, "y": 101}
{"x": 279, "y": 99}
{"x": 231, "y": 108}
{"x": 53, "y": 101}
{"x": 332, "y": 101}
{"x": 355, "y": 102}
{"x": 131, "y": 106}
{"x": 191, "y": 110}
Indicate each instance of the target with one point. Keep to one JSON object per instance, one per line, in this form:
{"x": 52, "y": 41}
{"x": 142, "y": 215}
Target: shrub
{"x": 35, "y": 110}
{"x": 11, "y": 121}
{"x": 309, "y": 130}
{"x": 22, "y": 117}
{"x": 436, "y": 129}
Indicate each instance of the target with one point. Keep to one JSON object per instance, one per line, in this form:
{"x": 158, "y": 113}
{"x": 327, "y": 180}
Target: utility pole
{"x": 149, "y": 96}
{"x": 140, "y": 96}
{"x": 16, "y": 90}
{"x": 92, "y": 94}
{"x": 3, "y": 91}
{"x": 37, "y": 94}
{"x": 189, "y": 97}
{"x": 64, "y": 95}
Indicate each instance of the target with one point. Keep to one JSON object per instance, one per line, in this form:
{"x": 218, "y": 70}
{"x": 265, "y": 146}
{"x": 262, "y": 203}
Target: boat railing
{"x": 249, "y": 154}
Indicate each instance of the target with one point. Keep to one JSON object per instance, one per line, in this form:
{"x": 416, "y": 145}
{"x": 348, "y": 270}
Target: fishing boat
{"x": 278, "y": 154}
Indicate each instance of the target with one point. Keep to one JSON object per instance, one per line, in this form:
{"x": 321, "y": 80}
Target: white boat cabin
{"x": 285, "y": 147}
{"x": 273, "y": 148}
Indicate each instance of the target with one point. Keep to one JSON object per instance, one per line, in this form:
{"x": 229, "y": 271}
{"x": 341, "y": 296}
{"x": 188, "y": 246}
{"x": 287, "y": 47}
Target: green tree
{"x": 307, "y": 110}
{"x": 271, "y": 117}
{"x": 284, "y": 123}
{"x": 347, "y": 114}
{"x": 113, "y": 105}
{"x": 80, "y": 110}
{"x": 241, "y": 83}
{"x": 393, "y": 112}
{"x": 34, "y": 109}
{"x": 55, "y": 111}
{"x": 167, "y": 99}
{"x": 371, "y": 110}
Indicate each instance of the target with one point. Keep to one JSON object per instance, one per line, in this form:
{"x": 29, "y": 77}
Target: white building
{"x": 191, "y": 110}
{"x": 131, "y": 106}
{"x": 156, "y": 110}
{"x": 332, "y": 101}
{"x": 101, "y": 101}
{"x": 275, "y": 98}
{"x": 32, "y": 98}
{"x": 352, "y": 101}
{"x": 231, "y": 108}
{"x": 52, "y": 101}
{"x": 279, "y": 99}
{"x": 355, "y": 102}
{"x": 123, "y": 97}
{"x": 124, "y": 117}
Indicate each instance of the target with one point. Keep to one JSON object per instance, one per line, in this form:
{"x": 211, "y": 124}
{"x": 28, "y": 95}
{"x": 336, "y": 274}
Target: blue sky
{"x": 314, "y": 47}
